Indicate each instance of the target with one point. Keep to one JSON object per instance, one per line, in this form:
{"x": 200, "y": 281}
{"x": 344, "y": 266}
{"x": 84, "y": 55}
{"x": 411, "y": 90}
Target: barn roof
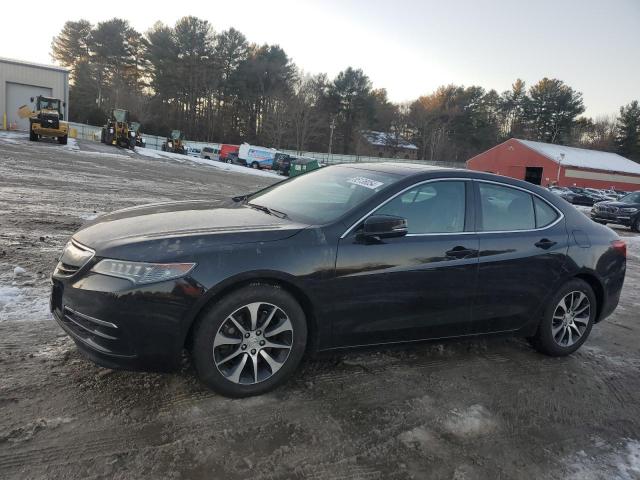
{"x": 583, "y": 158}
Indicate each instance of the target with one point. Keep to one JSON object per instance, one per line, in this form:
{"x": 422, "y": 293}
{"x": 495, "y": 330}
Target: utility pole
{"x": 559, "y": 164}
{"x": 332, "y": 126}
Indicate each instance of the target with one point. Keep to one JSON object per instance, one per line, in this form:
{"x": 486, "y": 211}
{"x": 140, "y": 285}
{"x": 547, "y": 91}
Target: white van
{"x": 257, "y": 157}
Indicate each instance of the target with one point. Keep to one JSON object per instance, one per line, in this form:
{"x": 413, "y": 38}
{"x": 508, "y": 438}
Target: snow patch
{"x": 72, "y": 145}
{"x": 23, "y": 303}
{"x": 19, "y": 271}
{"x": 89, "y": 216}
{"x": 620, "y": 464}
{"x": 418, "y": 437}
{"x": 474, "y": 421}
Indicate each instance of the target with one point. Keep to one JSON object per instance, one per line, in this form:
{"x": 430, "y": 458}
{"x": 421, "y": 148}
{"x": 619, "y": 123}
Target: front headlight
{"x": 133, "y": 134}
{"x": 170, "y": 144}
{"x": 629, "y": 210}
{"x": 111, "y": 130}
{"x": 140, "y": 273}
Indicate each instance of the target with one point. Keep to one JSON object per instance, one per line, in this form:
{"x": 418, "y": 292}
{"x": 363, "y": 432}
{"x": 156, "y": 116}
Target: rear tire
{"x": 255, "y": 165}
{"x": 635, "y": 226}
{"x": 231, "y": 352}
{"x": 567, "y": 319}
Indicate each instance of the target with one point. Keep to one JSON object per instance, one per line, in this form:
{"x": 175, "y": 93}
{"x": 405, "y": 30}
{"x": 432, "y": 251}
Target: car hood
{"x": 165, "y": 225}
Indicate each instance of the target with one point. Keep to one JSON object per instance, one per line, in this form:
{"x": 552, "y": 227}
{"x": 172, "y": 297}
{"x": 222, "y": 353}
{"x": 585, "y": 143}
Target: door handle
{"x": 460, "y": 252}
{"x": 545, "y": 244}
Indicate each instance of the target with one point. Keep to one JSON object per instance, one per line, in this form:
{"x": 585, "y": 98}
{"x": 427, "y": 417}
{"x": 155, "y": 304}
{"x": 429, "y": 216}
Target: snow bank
{"x": 227, "y": 167}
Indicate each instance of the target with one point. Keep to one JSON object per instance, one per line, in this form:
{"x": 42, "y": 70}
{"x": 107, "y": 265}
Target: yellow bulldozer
{"x": 46, "y": 120}
{"x": 174, "y": 143}
{"x": 118, "y": 131}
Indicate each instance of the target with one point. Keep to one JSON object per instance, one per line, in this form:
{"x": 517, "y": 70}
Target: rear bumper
{"x": 119, "y": 327}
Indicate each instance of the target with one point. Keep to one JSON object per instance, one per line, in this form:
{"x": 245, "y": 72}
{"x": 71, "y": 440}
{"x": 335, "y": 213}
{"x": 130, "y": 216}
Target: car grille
{"x": 605, "y": 209}
{"x": 50, "y": 121}
{"x": 73, "y": 258}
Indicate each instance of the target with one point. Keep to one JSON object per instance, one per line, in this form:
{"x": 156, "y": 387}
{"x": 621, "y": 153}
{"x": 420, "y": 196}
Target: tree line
{"x": 219, "y": 87}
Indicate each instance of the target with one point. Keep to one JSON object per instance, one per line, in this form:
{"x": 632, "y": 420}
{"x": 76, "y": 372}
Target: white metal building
{"x": 19, "y": 81}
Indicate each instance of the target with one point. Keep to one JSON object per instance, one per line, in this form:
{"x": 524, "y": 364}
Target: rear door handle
{"x": 460, "y": 252}
{"x": 545, "y": 243}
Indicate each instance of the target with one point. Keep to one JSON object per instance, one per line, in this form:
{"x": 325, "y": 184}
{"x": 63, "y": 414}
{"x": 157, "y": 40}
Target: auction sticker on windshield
{"x": 365, "y": 182}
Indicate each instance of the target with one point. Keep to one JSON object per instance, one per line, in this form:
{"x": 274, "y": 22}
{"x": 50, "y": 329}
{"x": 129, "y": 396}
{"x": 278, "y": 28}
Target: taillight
{"x": 620, "y": 246}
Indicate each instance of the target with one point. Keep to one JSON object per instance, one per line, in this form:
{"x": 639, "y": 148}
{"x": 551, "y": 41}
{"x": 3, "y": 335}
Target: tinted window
{"x": 545, "y": 215}
{"x": 631, "y": 198}
{"x": 505, "y": 208}
{"x": 436, "y": 207}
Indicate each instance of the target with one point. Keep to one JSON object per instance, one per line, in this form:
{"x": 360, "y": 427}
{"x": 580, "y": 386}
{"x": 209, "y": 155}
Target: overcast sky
{"x": 407, "y": 47}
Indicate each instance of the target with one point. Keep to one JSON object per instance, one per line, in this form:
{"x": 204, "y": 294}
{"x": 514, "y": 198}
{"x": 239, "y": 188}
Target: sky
{"x": 408, "y": 47}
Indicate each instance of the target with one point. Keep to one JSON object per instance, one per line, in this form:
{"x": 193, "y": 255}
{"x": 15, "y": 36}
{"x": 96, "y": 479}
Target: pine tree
{"x": 628, "y": 131}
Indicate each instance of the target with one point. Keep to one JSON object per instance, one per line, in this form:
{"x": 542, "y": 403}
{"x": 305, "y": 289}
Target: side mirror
{"x": 384, "y": 226}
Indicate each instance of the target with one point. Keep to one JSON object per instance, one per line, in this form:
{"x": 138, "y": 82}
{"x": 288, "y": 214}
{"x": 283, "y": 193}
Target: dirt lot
{"x": 457, "y": 410}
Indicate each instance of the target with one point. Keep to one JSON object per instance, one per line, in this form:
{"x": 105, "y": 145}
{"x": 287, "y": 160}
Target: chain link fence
{"x": 91, "y": 132}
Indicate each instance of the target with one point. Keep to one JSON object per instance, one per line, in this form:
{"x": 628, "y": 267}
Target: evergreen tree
{"x": 628, "y": 131}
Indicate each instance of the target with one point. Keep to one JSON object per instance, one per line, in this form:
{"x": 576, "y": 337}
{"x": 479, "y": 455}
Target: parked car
{"x": 625, "y": 211}
{"x": 232, "y": 157}
{"x": 193, "y": 152}
{"x": 346, "y": 255}
{"x": 574, "y": 195}
{"x": 600, "y": 194}
{"x": 210, "y": 153}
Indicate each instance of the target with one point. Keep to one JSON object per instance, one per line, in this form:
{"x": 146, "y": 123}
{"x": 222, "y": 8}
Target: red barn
{"x": 546, "y": 163}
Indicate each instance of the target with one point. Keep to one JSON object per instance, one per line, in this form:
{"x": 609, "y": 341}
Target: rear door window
{"x": 505, "y": 209}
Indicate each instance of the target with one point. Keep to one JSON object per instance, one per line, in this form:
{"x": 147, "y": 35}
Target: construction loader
{"x": 117, "y": 131}
{"x": 46, "y": 119}
{"x": 140, "y": 141}
{"x": 174, "y": 143}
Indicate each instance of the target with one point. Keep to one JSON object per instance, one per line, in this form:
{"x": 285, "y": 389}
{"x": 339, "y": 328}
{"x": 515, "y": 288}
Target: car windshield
{"x": 631, "y": 198}
{"x": 323, "y": 195}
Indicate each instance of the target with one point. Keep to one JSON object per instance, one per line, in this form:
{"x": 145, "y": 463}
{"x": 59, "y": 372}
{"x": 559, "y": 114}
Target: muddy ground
{"x": 490, "y": 408}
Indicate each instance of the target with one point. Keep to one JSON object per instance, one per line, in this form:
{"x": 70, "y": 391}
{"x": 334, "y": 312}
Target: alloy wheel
{"x": 253, "y": 343}
{"x": 570, "y": 318}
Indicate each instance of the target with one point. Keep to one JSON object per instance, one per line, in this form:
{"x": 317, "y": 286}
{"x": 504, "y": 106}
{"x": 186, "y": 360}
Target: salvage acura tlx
{"x": 342, "y": 256}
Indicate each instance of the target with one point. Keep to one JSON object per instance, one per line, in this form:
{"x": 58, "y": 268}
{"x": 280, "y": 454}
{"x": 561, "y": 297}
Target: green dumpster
{"x": 303, "y": 165}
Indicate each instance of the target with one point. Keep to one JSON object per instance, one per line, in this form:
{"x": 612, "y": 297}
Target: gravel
{"x": 473, "y": 409}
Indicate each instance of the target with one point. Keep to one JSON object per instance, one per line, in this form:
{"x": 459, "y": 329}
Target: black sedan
{"x": 576, "y": 195}
{"x": 625, "y": 211}
{"x": 343, "y": 256}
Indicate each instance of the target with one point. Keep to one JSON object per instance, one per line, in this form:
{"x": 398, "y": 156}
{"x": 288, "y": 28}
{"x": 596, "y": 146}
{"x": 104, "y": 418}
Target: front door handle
{"x": 545, "y": 244}
{"x": 460, "y": 252}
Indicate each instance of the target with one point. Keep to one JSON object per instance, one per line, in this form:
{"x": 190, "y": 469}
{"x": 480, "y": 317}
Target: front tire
{"x": 567, "y": 320}
{"x": 255, "y": 165}
{"x": 250, "y": 341}
{"x": 33, "y": 136}
{"x": 62, "y": 140}
{"x": 635, "y": 226}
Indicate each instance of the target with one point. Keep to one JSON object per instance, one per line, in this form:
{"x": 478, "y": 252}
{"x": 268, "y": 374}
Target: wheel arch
{"x": 598, "y": 289}
{"x": 275, "y": 279}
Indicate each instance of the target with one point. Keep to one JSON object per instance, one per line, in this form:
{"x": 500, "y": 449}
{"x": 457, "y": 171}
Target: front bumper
{"x": 118, "y": 326}
{"x": 618, "y": 219}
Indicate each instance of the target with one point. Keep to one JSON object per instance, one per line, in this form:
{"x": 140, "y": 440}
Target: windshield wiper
{"x": 270, "y": 211}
